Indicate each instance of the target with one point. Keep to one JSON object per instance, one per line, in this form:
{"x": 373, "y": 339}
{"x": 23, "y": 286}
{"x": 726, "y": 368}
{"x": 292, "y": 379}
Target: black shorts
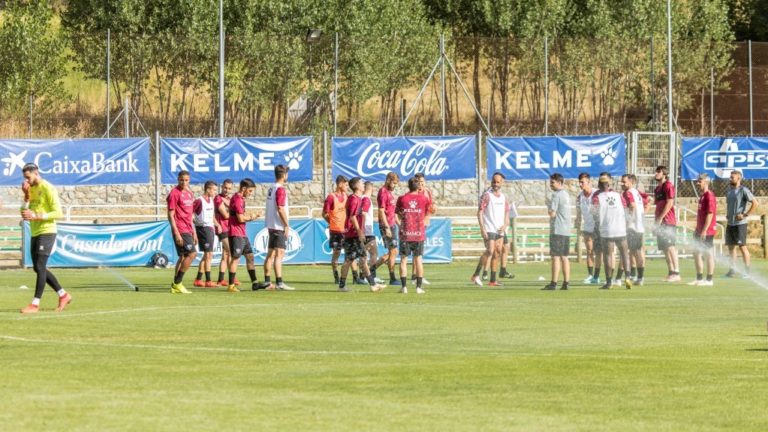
{"x": 634, "y": 240}
{"x": 413, "y": 248}
{"x": 336, "y": 241}
{"x": 595, "y": 236}
{"x": 703, "y": 244}
{"x": 736, "y": 235}
{"x": 205, "y": 238}
{"x": 494, "y": 236}
{"x": 353, "y": 249}
{"x": 369, "y": 239}
{"x": 559, "y": 245}
{"x": 666, "y": 236}
{"x": 276, "y": 239}
{"x": 187, "y": 245}
{"x": 615, "y": 240}
{"x": 223, "y": 236}
{"x": 42, "y": 245}
{"x": 239, "y": 246}
{"x": 389, "y": 242}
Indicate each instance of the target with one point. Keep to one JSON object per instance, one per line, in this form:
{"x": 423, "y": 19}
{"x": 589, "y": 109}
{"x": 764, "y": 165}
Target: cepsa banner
{"x": 536, "y": 158}
{"x": 236, "y": 158}
{"x": 438, "y": 158}
{"x": 131, "y": 245}
{"x": 77, "y": 162}
{"x": 719, "y": 157}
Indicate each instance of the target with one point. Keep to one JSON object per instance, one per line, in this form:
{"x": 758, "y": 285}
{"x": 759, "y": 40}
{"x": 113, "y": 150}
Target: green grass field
{"x": 659, "y": 357}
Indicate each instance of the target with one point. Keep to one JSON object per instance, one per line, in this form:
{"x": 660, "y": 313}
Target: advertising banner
{"x": 77, "y": 162}
{"x": 114, "y": 245}
{"x": 128, "y": 245}
{"x": 438, "y": 158}
{"x": 536, "y": 158}
{"x": 718, "y": 157}
{"x": 236, "y": 158}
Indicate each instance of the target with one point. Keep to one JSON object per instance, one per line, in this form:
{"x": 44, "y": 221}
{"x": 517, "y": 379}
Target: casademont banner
{"x": 236, "y": 158}
{"x": 438, "y": 158}
{"x": 76, "y": 162}
{"x": 718, "y": 157}
{"x": 133, "y": 245}
{"x": 113, "y": 245}
{"x": 536, "y": 158}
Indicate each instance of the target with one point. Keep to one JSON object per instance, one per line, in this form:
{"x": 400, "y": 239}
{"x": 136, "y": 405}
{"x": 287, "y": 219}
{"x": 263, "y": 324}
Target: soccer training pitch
{"x": 659, "y": 357}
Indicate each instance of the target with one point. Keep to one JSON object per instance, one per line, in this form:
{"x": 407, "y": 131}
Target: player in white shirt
{"x": 370, "y": 237}
{"x": 206, "y": 226}
{"x": 634, "y": 202}
{"x": 493, "y": 217}
{"x": 276, "y": 221}
{"x": 586, "y": 223}
{"x": 612, "y": 224}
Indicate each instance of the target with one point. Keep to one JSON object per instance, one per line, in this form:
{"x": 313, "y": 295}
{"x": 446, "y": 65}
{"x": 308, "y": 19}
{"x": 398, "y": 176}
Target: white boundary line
{"x": 375, "y": 353}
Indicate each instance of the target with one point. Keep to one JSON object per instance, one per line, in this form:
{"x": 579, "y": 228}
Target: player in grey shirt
{"x": 740, "y": 203}
{"x": 559, "y": 206}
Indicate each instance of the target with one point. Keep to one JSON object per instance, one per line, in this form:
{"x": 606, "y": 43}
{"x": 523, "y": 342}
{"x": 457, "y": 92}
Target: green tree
{"x": 34, "y": 61}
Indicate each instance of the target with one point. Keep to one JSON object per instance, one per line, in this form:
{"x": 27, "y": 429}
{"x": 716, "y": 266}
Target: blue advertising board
{"x": 128, "y": 245}
{"x": 438, "y": 158}
{"x": 718, "y": 157}
{"x": 536, "y": 158}
{"x": 77, "y": 162}
{"x": 236, "y": 158}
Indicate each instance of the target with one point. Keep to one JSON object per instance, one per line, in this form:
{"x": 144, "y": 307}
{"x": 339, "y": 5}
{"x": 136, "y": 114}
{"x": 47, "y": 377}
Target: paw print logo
{"x": 294, "y": 159}
{"x": 611, "y": 201}
{"x": 609, "y": 156}
{"x": 412, "y": 204}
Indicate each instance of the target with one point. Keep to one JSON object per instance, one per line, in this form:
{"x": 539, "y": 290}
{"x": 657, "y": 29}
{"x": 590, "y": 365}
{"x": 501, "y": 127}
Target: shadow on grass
{"x": 757, "y": 350}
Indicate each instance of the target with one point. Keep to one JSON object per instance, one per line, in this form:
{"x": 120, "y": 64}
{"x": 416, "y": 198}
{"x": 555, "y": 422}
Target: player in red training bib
{"x": 412, "y": 208}
{"x": 388, "y": 225}
{"x": 354, "y": 237}
{"x": 180, "y": 210}
{"x": 239, "y": 244}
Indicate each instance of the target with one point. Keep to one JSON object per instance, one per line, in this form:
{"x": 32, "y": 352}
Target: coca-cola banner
{"x": 438, "y": 157}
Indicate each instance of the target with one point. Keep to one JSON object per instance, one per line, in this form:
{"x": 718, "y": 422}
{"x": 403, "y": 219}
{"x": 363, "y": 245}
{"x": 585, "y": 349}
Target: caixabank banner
{"x": 77, "y": 162}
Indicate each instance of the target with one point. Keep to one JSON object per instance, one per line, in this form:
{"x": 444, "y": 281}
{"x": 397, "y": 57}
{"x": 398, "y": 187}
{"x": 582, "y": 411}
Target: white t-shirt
{"x": 494, "y": 209}
{"x": 368, "y": 224}
{"x": 635, "y": 217}
{"x": 585, "y": 206}
{"x": 613, "y": 219}
{"x": 207, "y": 212}
{"x": 272, "y": 218}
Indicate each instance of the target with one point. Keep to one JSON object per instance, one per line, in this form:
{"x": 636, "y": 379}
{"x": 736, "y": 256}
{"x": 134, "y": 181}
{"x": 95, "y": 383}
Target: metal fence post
{"x": 157, "y": 175}
{"x": 325, "y": 163}
{"x": 127, "y": 118}
{"x": 31, "y": 107}
{"x": 764, "y": 220}
{"x": 712, "y": 101}
{"x": 479, "y": 162}
{"x": 513, "y": 242}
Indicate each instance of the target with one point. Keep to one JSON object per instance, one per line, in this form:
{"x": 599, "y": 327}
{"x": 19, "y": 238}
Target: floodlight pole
{"x": 221, "y": 69}
{"x": 335, "y": 81}
{"x": 546, "y": 86}
{"x": 109, "y": 60}
{"x": 751, "y": 116}
{"x": 670, "y": 127}
{"x": 442, "y": 82}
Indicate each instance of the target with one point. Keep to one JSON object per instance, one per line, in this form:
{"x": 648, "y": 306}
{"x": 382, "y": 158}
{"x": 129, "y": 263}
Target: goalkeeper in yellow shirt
{"x": 41, "y": 209}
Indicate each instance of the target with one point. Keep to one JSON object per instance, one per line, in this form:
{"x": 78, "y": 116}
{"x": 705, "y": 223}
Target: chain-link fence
{"x": 364, "y": 86}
